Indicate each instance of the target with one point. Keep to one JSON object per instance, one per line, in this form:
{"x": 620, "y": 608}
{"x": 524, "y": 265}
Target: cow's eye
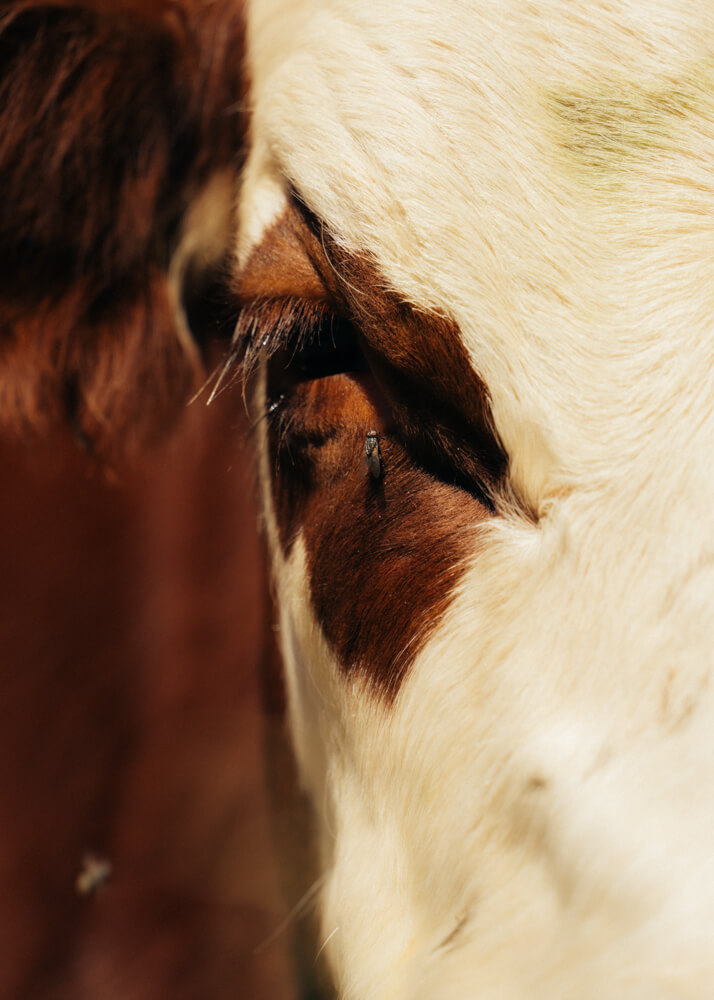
{"x": 337, "y": 370}
{"x": 323, "y": 344}
{"x": 326, "y": 379}
{"x": 304, "y": 338}
{"x": 299, "y": 340}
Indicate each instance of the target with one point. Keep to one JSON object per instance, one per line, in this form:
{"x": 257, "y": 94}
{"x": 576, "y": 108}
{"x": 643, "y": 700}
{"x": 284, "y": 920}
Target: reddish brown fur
{"x": 419, "y": 355}
{"x": 131, "y": 634}
{"x": 116, "y": 376}
{"x": 286, "y": 262}
{"x": 112, "y": 117}
{"x": 383, "y": 555}
{"x": 412, "y": 353}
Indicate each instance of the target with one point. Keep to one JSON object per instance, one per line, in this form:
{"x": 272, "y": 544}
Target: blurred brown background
{"x": 132, "y": 626}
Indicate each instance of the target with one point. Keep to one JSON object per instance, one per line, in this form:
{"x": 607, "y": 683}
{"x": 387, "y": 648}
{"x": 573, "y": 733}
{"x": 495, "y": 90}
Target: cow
{"x": 470, "y": 253}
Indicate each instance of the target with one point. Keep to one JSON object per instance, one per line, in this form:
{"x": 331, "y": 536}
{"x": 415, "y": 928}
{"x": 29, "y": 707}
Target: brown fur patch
{"x": 384, "y": 554}
{"x": 440, "y": 404}
{"x": 413, "y": 354}
{"x": 286, "y": 262}
{"x": 113, "y": 116}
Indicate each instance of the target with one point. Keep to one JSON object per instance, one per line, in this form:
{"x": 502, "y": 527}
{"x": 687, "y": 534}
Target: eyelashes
{"x": 267, "y": 327}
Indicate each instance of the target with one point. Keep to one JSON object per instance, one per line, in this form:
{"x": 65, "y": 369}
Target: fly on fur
{"x": 373, "y": 454}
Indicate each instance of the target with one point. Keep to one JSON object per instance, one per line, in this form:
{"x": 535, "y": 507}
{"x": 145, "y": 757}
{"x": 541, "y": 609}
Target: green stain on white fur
{"x": 607, "y": 135}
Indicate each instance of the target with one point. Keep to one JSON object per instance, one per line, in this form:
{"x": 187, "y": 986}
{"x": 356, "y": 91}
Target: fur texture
{"x": 531, "y": 816}
{"x": 116, "y": 120}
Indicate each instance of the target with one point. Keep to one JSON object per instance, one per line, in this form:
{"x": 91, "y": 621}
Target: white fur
{"x": 544, "y": 787}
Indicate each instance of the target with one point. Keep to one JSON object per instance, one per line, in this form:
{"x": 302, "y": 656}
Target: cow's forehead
{"x": 539, "y": 173}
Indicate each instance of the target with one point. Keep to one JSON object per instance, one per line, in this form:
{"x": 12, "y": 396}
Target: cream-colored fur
{"x": 534, "y": 818}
